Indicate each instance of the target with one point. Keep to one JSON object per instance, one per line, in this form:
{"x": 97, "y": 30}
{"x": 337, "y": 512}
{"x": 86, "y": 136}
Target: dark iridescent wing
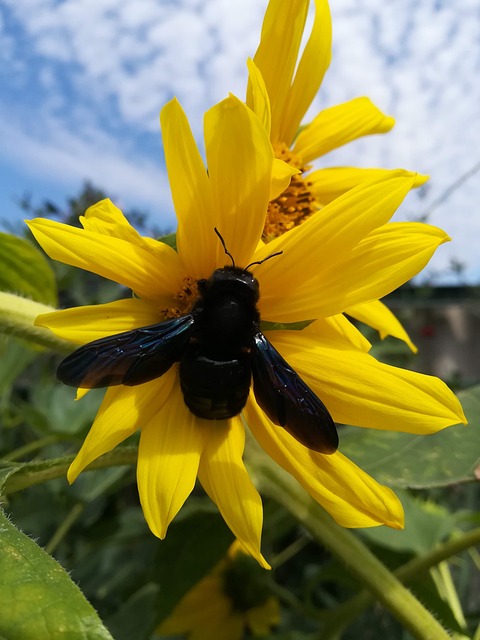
{"x": 287, "y": 400}
{"x": 130, "y": 358}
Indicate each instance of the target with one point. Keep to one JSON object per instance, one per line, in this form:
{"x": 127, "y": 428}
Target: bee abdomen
{"x": 214, "y": 389}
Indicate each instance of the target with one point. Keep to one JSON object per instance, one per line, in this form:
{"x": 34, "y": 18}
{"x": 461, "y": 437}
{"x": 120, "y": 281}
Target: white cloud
{"x": 142, "y": 53}
{"x": 69, "y": 159}
{"x": 120, "y": 61}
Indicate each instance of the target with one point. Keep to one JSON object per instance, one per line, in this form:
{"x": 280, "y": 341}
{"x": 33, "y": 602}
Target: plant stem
{"x": 17, "y": 317}
{"x": 63, "y": 529}
{"x": 353, "y": 607}
{"x": 30, "y": 447}
{"x": 350, "y": 550}
{"x": 31, "y": 473}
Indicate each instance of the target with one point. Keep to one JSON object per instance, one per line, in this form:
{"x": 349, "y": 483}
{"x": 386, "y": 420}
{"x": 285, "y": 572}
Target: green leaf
{"x": 426, "y": 525}
{"x": 25, "y": 271}
{"x": 284, "y": 326}
{"x": 170, "y": 239}
{"x": 14, "y": 358}
{"x": 38, "y": 600}
{"x": 397, "y": 459}
{"x": 137, "y": 616}
{"x": 59, "y": 411}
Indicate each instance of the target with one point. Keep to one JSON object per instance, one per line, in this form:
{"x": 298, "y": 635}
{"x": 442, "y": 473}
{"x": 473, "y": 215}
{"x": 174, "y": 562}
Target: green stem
{"x": 346, "y": 613}
{"x": 30, "y": 447}
{"x": 32, "y": 473}
{"x": 64, "y": 528}
{"x": 288, "y": 553}
{"x": 17, "y": 317}
{"x": 351, "y": 551}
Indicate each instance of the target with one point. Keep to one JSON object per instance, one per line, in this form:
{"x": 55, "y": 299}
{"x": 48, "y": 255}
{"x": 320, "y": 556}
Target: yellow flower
{"x": 346, "y": 254}
{"x": 232, "y": 599}
{"x": 282, "y": 85}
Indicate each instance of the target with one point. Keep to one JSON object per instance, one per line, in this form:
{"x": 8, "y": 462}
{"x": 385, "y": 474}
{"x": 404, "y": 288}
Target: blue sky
{"x": 82, "y": 83}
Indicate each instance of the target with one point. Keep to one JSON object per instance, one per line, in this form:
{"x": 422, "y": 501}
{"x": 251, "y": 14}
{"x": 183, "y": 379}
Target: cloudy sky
{"x": 82, "y": 83}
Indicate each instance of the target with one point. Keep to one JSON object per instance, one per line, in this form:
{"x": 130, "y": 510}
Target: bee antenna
{"x": 272, "y": 255}
{"x": 224, "y": 246}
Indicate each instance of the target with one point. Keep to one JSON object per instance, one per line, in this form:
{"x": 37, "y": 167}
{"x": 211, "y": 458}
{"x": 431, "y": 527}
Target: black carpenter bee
{"x": 219, "y": 348}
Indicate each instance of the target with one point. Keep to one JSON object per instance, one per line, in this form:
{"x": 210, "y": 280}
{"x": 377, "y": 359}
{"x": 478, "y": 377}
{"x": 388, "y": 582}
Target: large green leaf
{"x": 405, "y": 460}
{"x": 24, "y": 270}
{"x": 38, "y": 600}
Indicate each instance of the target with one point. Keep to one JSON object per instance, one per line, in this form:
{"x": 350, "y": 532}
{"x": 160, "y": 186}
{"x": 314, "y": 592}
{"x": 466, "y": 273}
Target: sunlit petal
{"x": 132, "y": 265}
{"x": 359, "y": 390}
{"x": 260, "y": 102}
{"x": 334, "y": 127}
{"x": 377, "y": 315}
{"x": 277, "y": 53}
{"x": 239, "y": 158}
{"x": 387, "y": 258}
{"x": 225, "y": 479}
{"x": 91, "y": 322}
{"x": 338, "y": 328}
{"x": 330, "y": 183}
{"x": 321, "y": 242}
{"x": 281, "y": 176}
{"x": 122, "y": 412}
{"x": 191, "y": 193}
{"x": 312, "y": 66}
{"x": 171, "y": 443}
{"x": 107, "y": 219}
{"x": 351, "y": 496}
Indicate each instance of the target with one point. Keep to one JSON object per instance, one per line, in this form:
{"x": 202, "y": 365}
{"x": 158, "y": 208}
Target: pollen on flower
{"x": 294, "y": 205}
{"x": 183, "y": 300}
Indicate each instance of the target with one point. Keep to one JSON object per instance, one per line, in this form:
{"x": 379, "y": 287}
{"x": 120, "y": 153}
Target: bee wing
{"x": 127, "y": 358}
{"x": 288, "y": 401}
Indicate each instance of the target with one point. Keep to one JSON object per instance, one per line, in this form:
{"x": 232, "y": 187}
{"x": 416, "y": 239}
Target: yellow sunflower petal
{"x": 387, "y": 258}
{"x": 171, "y": 443}
{"x": 202, "y": 605}
{"x": 377, "y": 315}
{"x": 338, "y": 328}
{"x": 231, "y": 626}
{"x": 281, "y": 176}
{"x": 262, "y": 618}
{"x": 260, "y": 102}
{"x": 129, "y": 264}
{"x": 191, "y": 193}
{"x": 276, "y": 56}
{"x": 351, "y": 496}
{"x": 336, "y": 126}
{"x": 359, "y": 390}
{"x": 225, "y": 479}
{"x": 324, "y": 240}
{"x": 106, "y": 218}
{"x": 240, "y": 159}
{"x": 328, "y": 184}
{"x": 311, "y": 69}
{"x": 91, "y": 322}
{"x": 121, "y": 413}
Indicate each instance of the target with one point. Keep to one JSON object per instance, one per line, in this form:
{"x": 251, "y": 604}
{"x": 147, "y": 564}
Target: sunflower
{"x": 282, "y": 86}
{"x": 344, "y": 255}
{"x": 230, "y": 600}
